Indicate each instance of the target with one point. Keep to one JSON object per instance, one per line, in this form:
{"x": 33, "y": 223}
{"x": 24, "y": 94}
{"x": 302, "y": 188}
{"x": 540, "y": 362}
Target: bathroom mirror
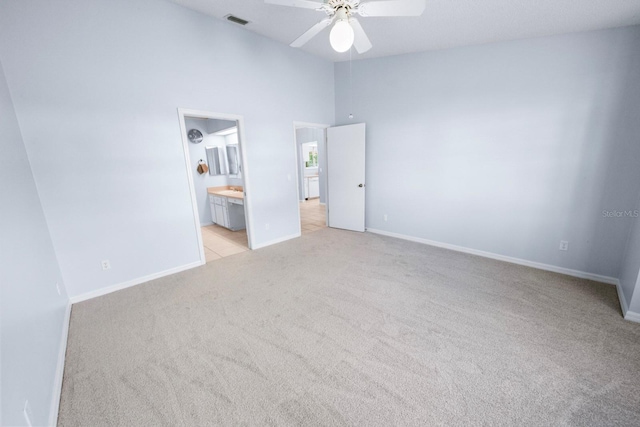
{"x": 215, "y": 159}
{"x": 234, "y": 161}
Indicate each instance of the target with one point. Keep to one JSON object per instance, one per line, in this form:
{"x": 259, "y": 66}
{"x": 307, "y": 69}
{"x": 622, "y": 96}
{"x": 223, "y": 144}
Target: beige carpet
{"x": 340, "y": 328}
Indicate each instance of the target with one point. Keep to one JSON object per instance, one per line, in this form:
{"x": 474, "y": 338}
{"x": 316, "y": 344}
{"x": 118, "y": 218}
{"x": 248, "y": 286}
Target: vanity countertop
{"x": 234, "y": 191}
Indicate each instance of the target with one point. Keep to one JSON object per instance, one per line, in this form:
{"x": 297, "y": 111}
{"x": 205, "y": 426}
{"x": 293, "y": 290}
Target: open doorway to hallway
{"x": 313, "y": 216}
{"x": 310, "y": 142}
{"x": 218, "y": 176}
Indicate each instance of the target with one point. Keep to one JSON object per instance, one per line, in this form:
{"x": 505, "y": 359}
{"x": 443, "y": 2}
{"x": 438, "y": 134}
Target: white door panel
{"x": 345, "y": 176}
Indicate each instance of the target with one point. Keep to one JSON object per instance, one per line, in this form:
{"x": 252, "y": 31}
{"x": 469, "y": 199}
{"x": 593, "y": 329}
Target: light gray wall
{"x": 629, "y": 272}
{"x": 507, "y": 148}
{"x": 202, "y": 182}
{"x": 97, "y": 84}
{"x": 32, "y": 312}
{"x": 634, "y": 304}
{"x": 304, "y": 135}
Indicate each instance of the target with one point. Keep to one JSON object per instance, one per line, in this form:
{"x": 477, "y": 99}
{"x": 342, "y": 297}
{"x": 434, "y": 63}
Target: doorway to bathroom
{"x": 215, "y": 158}
{"x": 311, "y": 166}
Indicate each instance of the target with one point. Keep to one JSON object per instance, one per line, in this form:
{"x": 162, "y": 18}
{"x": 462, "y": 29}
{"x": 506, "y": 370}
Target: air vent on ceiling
{"x": 236, "y": 20}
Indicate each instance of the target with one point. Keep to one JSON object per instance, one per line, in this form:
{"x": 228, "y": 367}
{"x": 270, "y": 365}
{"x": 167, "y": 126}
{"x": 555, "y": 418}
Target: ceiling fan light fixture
{"x": 341, "y": 36}
{"x": 347, "y": 30}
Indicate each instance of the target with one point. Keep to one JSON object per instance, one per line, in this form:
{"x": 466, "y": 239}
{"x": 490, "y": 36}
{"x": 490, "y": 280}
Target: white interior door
{"x": 345, "y": 176}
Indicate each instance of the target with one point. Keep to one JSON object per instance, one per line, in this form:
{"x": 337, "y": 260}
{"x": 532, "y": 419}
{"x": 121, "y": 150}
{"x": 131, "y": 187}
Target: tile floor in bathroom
{"x": 220, "y": 242}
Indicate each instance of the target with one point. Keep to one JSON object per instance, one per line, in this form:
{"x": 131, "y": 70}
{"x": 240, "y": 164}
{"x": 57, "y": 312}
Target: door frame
{"x": 298, "y": 125}
{"x": 186, "y": 112}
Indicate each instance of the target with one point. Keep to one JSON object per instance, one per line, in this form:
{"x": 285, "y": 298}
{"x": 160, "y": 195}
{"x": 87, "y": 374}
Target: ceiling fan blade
{"x": 360, "y": 41}
{"x": 392, "y": 8}
{"x": 305, "y": 4}
{"x": 311, "y": 32}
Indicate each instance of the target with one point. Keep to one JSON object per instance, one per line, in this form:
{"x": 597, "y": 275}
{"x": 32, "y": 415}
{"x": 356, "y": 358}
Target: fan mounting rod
{"x": 332, "y": 6}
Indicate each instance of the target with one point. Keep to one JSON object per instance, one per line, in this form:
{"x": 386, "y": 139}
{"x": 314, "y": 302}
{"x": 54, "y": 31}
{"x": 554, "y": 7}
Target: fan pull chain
{"x": 350, "y": 85}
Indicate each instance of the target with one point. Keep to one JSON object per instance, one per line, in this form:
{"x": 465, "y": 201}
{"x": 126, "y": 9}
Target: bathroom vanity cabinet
{"x": 227, "y": 209}
{"x": 219, "y": 210}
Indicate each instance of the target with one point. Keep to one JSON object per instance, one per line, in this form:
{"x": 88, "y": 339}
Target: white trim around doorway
{"x": 184, "y": 112}
{"x": 298, "y": 125}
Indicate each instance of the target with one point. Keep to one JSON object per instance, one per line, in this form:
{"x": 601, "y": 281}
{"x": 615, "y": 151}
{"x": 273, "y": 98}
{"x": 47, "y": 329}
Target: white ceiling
{"x": 444, "y": 24}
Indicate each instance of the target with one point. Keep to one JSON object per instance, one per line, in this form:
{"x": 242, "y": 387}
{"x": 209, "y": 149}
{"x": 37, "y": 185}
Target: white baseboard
{"x": 57, "y": 382}
{"x": 278, "y": 240}
{"x": 538, "y": 265}
{"x": 626, "y": 313}
{"x": 632, "y": 316}
{"x": 134, "y": 282}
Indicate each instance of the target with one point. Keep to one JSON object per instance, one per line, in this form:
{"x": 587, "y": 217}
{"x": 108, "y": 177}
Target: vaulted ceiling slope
{"x": 444, "y": 24}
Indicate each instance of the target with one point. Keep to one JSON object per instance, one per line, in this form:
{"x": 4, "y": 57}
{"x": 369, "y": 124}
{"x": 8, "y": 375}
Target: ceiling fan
{"x": 347, "y": 31}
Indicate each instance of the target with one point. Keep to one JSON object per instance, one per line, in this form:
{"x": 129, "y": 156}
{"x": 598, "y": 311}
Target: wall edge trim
{"x": 124, "y": 285}
{"x": 278, "y": 240}
{"x": 541, "y": 266}
{"x": 62, "y": 354}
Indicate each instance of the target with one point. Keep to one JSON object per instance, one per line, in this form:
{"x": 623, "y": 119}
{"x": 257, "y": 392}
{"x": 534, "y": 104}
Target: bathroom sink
{"x": 227, "y": 192}
{"x": 232, "y": 193}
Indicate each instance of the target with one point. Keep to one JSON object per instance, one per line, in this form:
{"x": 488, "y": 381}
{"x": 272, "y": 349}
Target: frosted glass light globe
{"x": 341, "y": 36}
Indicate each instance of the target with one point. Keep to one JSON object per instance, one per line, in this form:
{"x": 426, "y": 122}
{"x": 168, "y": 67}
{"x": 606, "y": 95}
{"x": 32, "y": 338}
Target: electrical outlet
{"x": 106, "y": 265}
{"x": 564, "y": 245}
{"x": 288, "y": 177}
{"x": 266, "y": 226}
{"x": 28, "y": 415}
{"x": 58, "y": 288}
{"x": 385, "y": 217}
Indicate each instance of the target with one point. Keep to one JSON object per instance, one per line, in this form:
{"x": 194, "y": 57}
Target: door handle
{"x": 360, "y": 185}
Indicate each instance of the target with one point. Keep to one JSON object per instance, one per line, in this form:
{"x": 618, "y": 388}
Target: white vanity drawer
{"x": 222, "y": 201}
